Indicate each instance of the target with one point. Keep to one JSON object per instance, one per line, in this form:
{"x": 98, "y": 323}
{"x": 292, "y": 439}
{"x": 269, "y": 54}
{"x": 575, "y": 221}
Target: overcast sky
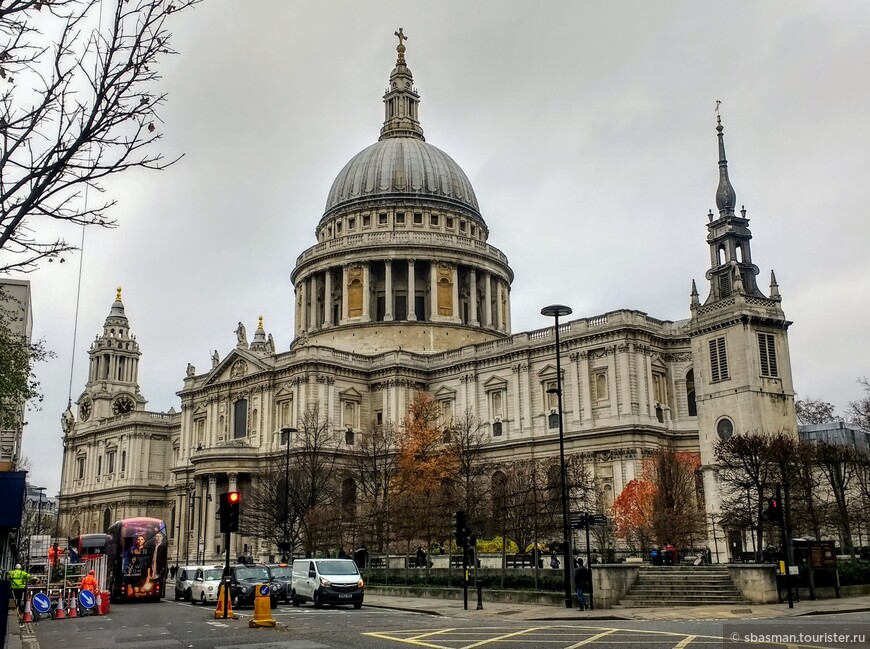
{"x": 586, "y": 129}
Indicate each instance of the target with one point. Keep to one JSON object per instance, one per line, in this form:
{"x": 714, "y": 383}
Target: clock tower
{"x": 112, "y": 387}
{"x": 742, "y": 369}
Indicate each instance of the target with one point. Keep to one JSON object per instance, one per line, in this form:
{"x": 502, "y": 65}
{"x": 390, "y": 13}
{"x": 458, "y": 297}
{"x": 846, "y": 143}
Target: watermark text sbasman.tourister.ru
{"x": 804, "y": 634}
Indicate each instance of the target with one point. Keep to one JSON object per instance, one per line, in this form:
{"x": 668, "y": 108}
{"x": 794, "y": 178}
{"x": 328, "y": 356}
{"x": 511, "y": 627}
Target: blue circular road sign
{"x": 87, "y": 599}
{"x": 41, "y": 602}
{"x": 265, "y": 591}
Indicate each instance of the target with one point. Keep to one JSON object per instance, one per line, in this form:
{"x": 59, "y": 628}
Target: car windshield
{"x": 253, "y": 573}
{"x": 282, "y": 571}
{"x": 211, "y": 575}
{"x": 337, "y": 568}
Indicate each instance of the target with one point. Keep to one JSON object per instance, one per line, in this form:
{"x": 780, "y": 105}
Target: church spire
{"x": 726, "y": 197}
{"x": 401, "y": 101}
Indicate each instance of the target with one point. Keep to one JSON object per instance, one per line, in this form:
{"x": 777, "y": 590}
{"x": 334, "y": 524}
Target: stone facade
{"x": 400, "y": 294}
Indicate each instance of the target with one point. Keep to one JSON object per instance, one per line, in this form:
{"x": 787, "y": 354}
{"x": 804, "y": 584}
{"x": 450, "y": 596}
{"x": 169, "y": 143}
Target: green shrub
{"x": 854, "y": 572}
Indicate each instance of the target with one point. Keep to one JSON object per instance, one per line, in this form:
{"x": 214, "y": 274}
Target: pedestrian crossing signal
{"x": 773, "y": 513}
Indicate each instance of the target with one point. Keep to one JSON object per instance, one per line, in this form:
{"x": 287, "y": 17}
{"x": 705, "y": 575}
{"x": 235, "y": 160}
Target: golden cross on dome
{"x": 118, "y": 295}
{"x": 401, "y": 36}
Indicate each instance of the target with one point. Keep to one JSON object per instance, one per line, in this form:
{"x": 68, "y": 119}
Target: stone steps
{"x": 682, "y": 586}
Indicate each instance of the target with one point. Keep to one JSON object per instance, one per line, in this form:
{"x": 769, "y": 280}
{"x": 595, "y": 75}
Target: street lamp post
{"x": 41, "y": 491}
{"x": 554, "y": 311}
{"x": 193, "y": 499}
{"x": 285, "y": 439}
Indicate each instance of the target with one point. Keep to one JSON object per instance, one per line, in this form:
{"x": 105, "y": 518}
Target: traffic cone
{"x": 59, "y": 613}
{"x": 28, "y": 613}
{"x": 219, "y": 610}
{"x": 99, "y": 604}
{"x": 73, "y": 613}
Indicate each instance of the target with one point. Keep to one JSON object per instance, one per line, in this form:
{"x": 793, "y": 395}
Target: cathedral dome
{"x": 401, "y": 167}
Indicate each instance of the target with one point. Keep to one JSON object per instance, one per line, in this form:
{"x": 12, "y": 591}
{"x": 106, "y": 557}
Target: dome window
{"x": 400, "y": 218}
{"x": 418, "y": 218}
{"x": 462, "y": 226}
{"x": 367, "y": 221}
{"x": 338, "y": 227}
{"x": 382, "y": 218}
{"x": 449, "y": 221}
{"x": 433, "y": 220}
{"x": 351, "y": 224}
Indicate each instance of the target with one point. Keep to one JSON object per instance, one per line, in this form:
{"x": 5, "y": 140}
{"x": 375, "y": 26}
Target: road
{"x": 175, "y": 625}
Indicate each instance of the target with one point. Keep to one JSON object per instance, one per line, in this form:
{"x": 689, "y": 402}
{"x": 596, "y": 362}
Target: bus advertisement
{"x": 138, "y": 551}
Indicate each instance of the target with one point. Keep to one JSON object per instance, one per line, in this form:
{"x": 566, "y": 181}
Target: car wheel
{"x": 202, "y": 599}
{"x": 358, "y": 605}
{"x": 293, "y": 599}
{"x": 188, "y": 595}
{"x": 318, "y": 603}
{"x": 176, "y": 596}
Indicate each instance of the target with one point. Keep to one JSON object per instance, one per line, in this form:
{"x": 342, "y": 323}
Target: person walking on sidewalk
{"x": 582, "y": 581}
{"x": 18, "y": 579}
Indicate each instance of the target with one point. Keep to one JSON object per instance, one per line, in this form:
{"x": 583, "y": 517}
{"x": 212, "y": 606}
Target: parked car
{"x": 243, "y": 581}
{"x": 327, "y": 581}
{"x": 282, "y": 574}
{"x": 206, "y": 584}
{"x": 184, "y": 582}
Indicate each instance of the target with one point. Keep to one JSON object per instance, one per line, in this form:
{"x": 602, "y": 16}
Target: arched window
{"x": 690, "y": 393}
{"x": 123, "y": 461}
{"x": 240, "y": 419}
{"x": 254, "y": 417}
{"x": 107, "y": 519}
{"x": 601, "y": 386}
{"x": 739, "y": 250}
{"x": 722, "y": 256}
{"x": 348, "y": 497}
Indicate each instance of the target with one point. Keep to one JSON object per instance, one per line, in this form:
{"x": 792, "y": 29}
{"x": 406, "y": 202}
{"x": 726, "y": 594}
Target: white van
{"x": 326, "y": 581}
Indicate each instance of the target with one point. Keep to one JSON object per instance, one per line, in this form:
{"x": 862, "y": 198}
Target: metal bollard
{"x": 479, "y": 597}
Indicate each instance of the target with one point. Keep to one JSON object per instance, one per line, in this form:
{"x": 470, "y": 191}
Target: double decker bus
{"x": 91, "y": 546}
{"x": 137, "y": 549}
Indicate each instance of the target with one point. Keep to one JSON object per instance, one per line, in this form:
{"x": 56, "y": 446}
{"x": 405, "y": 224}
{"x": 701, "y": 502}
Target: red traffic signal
{"x": 773, "y": 513}
{"x": 229, "y": 511}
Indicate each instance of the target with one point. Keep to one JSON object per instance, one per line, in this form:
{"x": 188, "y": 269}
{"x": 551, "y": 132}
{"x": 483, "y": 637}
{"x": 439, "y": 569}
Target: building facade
{"x": 402, "y": 293}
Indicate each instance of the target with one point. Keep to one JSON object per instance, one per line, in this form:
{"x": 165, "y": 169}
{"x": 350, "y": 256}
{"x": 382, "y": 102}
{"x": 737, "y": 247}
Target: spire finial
{"x": 118, "y": 294}
{"x": 726, "y": 197}
{"x": 400, "y": 60}
{"x": 260, "y": 323}
{"x": 774, "y": 287}
{"x": 694, "y": 295}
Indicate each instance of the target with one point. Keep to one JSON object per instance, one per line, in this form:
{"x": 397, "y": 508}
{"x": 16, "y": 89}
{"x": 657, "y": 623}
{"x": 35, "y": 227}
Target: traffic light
{"x": 773, "y": 513}
{"x": 460, "y": 524}
{"x": 229, "y": 511}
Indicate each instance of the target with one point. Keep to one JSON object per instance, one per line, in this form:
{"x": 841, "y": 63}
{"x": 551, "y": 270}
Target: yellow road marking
{"x": 428, "y": 634}
{"x": 384, "y": 636}
{"x": 684, "y": 642}
{"x": 503, "y": 637}
{"x": 590, "y": 639}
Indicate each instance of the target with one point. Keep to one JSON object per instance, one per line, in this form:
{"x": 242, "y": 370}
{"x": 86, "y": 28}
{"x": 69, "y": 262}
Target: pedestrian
{"x": 342, "y": 554}
{"x": 554, "y": 560}
{"x": 172, "y": 571}
{"x": 18, "y": 579}
{"x": 582, "y": 581}
{"x": 89, "y": 582}
{"x": 420, "y": 558}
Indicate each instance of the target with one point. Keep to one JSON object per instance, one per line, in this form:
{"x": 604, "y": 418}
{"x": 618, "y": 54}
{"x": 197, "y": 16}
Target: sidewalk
{"x": 540, "y": 612}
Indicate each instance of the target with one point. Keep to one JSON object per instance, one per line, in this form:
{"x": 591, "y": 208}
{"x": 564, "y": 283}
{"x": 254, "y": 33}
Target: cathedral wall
{"x": 419, "y": 337}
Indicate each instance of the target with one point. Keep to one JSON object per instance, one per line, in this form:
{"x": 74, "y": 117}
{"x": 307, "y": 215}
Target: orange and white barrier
{"x": 28, "y": 613}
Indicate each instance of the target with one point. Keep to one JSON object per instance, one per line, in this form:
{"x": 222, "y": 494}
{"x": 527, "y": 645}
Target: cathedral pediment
{"x": 495, "y": 383}
{"x": 238, "y": 364}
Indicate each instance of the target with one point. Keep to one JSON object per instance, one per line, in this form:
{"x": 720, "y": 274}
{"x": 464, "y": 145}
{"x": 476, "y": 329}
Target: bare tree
{"x": 859, "y": 410}
{"x": 77, "y": 105}
{"x": 313, "y": 487}
{"x": 677, "y": 506}
{"x": 814, "y": 411}
{"x": 467, "y": 440}
{"x": 374, "y": 463}
{"x": 836, "y": 463}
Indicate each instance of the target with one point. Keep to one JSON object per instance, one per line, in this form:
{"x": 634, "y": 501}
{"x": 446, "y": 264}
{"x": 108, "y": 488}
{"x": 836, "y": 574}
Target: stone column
{"x": 388, "y": 290}
{"x": 487, "y": 299}
{"x": 433, "y": 291}
{"x": 472, "y": 297}
{"x": 327, "y": 298}
{"x": 507, "y": 307}
{"x": 312, "y": 302}
{"x": 209, "y": 507}
{"x": 367, "y": 293}
{"x": 412, "y": 283}
{"x": 624, "y": 379}
{"x": 612, "y": 387}
{"x": 643, "y": 402}
{"x": 198, "y": 518}
{"x": 455, "y": 276}
{"x": 303, "y": 287}
{"x": 344, "y": 307}
{"x": 498, "y": 312}
{"x": 177, "y": 534}
{"x": 587, "y": 388}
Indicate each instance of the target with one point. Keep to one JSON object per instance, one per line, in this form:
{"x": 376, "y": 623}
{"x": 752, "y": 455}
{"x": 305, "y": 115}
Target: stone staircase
{"x": 663, "y": 586}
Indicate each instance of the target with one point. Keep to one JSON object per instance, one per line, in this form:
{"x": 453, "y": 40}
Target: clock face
{"x": 725, "y": 428}
{"x": 85, "y": 409}
{"x": 122, "y": 405}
